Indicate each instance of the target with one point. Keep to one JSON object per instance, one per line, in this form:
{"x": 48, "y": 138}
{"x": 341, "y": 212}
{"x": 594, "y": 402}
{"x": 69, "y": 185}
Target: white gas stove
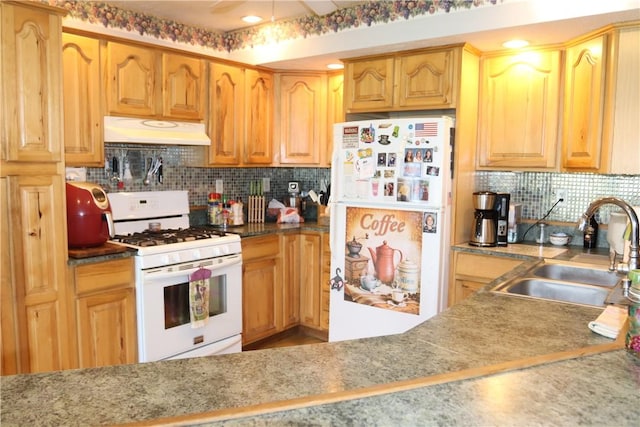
{"x": 168, "y": 253}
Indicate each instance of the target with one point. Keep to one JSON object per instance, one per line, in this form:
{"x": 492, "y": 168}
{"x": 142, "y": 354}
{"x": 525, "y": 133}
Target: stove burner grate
{"x": 168, "y": 236}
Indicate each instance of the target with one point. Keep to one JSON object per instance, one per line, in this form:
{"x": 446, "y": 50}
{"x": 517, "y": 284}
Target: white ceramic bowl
{"x": 559, "y": 239}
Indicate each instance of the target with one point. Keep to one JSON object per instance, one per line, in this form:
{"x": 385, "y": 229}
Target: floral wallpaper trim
{"x": 366, "y": 14}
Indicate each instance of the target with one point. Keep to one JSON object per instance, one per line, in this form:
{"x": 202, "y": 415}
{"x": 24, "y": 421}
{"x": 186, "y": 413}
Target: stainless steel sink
{"x": 577, "y": 274}
{"x": 575, "y": 283}
{"x": 555, "y": 290}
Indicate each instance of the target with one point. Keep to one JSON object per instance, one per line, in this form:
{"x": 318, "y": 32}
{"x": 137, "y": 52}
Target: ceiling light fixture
{"x": 251, "y": 19}
{"x": 515, "y": 44}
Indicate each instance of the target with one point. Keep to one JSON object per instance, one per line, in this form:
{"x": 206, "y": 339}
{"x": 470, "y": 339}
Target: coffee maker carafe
{"x": 484, "y": 227}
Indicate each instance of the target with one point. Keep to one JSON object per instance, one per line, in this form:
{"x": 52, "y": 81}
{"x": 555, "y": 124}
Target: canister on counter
{"x": 632, "y": 340}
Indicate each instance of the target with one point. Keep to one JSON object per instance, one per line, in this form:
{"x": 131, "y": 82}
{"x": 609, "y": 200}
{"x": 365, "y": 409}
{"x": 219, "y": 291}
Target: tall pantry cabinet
{"x": 33, "y": 225}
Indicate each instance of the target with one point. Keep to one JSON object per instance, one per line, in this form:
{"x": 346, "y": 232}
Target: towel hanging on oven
{"x": 199, "y": 297}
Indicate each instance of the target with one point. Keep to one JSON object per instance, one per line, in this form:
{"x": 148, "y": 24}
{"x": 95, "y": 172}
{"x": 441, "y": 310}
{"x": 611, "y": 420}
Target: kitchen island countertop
{"x": 377, "y": 381}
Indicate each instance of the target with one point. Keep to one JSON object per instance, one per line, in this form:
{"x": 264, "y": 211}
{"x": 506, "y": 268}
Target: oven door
{"x": 164, "y": 326}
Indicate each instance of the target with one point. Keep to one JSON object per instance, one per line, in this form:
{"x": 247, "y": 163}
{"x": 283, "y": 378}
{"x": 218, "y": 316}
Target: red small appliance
{"x": 89, "y": 219}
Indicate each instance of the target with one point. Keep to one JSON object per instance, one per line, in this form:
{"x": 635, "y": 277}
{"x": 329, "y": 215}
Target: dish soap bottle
{"x": 591, "y": 234}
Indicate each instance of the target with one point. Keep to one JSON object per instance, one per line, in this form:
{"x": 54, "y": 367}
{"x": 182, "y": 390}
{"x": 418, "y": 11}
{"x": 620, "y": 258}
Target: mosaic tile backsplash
{"x": 183, "y": 170}
{"x": 536, "y": 191}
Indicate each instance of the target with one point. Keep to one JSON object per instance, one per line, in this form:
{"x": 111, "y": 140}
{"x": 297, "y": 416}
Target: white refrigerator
{"x": 390, "y": 203}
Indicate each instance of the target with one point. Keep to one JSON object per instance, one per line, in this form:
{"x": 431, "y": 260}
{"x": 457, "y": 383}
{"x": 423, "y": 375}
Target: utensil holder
{"x": 255, "y": 211}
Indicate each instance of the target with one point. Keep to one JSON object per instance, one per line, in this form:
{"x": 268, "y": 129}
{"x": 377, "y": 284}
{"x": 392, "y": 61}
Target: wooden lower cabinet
{"x": 262, "y": 286}
{"x": 471, "y": 272}
{"x": 325, "y": 277}
{"x": 105, "y": 313}
{"x": 310, "y": 271}
{"x": 285, "y": 284}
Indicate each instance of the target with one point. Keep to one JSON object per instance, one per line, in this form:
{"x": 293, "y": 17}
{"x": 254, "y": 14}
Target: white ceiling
{"x": 540, "y": 21}
{"x": 226, "y": 15}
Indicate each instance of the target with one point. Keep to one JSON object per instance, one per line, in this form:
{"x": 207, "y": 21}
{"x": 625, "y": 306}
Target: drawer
{"x": 260, "y": 247}
{"x": 115, "y": 274}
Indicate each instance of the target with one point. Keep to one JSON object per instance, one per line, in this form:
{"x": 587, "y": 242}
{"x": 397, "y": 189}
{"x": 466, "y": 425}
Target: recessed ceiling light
{"x": 515, "y": 44}
{"x": 335, "y": 66}
{"x": 251, "y": 19}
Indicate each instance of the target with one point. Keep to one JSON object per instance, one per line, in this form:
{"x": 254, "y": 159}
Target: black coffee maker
{"x": 483, "y": 231}
{"x": 502, "y": 220}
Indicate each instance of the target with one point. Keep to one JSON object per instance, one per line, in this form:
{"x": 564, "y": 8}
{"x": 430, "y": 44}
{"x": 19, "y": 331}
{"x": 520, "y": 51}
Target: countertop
{"x": 258, "y": 229}
{"x": 448, "y": 370}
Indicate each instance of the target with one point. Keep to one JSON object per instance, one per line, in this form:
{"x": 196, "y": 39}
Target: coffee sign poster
{"x": 389, "y": 262}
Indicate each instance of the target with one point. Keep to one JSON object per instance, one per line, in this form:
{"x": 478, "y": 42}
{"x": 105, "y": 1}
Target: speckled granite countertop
{"x": 251, "y": 230}
{"x": 484, "y": 330}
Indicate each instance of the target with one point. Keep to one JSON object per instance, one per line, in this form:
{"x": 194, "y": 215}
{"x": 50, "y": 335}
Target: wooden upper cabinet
{"x": 183, "y": 89}
{"x": 258, "y": 147}
{"x": 584, "y": 97}
{"x": 335, "y": 112}
{"x": 413, "y": 80}
{"x": 369, "y": 84}
{"x": 83, "y": 128}
{"x": 226, "y": 114}
{"x": 147, "y": 82}
{"x": 131, "y": 75}
{"x": 426, "y": 80}
{"x": 602, "y": 106}
{"x": 621, "y": 149}
{"x": 519, "y": 110}
{"x": 31, "y": 77}
{"x": 301, "y": 118}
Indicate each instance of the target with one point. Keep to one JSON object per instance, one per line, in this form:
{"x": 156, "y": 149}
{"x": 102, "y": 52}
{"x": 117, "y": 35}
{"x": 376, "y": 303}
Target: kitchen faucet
{"x": 634, "y": 255}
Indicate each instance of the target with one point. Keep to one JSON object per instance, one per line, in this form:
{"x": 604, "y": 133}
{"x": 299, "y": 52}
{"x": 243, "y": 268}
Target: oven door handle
{"x": 213, "y": 265}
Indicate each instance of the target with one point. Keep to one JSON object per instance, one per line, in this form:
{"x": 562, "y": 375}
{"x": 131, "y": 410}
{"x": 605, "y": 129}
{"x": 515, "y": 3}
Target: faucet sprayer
{"x": 634, "y": 251}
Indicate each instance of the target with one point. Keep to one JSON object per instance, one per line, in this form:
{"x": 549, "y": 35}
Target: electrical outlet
{"x": 561, "y": 193}
{"x": 266, "y": 184}
{"x": 219, "y": 186}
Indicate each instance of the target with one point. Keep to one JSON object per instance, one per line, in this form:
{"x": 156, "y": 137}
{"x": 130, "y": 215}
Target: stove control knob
{"x": 174, "y": 258}
{"x": 195, "y": 254}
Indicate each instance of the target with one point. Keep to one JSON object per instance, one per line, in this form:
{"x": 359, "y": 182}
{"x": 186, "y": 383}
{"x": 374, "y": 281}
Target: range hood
{"x": 149, "y": 131}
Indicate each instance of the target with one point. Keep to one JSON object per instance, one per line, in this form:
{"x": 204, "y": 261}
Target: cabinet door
{"x": 131, "y": 80}
{"x": 83, "y": 133}
{"x": 335, "y": 112}
{"x": 261, "y": 288}
{"x": 226, "y": 107}
{"x": 584, "y": 97}
{"x": 258, "y": 148}
{"x": 624, "y": 127}
{"x": 301, "y": 122}
{"x": 369, "y": 84}
{"x": 325, "y": 277}
{"x": 107, "y": 328}
{"x": 310, "y": 270}
{"x": 183, "y": 93}
{"x": 260, "y": 299}
{"x": 37, "y": 255}
{"x": 426, "y": 80}
{"x": 291, "y": 266}
{"x": 31, "y": 81}
{"x": 519, "y": 105}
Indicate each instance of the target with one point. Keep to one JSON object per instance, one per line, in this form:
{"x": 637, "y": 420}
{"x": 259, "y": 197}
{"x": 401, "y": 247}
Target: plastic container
{"x": 632, "y": 339}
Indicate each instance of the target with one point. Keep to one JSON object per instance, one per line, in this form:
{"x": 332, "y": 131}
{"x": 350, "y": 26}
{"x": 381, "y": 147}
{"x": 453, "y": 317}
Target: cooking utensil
{"x": 160, "y": 176}
{"x": 147, "y": 178}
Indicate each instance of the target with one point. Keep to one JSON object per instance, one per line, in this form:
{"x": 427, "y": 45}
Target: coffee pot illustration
{"x": 384, "y": 262}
